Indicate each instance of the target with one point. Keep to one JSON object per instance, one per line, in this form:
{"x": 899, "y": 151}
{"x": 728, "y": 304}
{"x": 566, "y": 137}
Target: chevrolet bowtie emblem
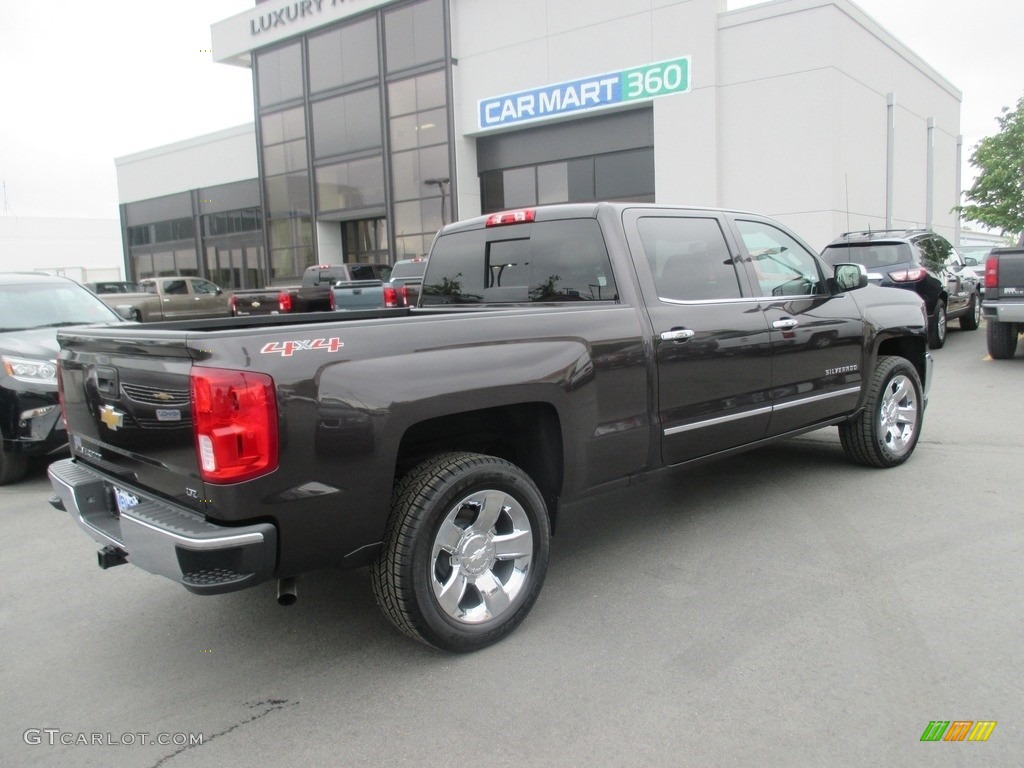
{"x": 111, "y": 417}
{"x": 165, "y": 396}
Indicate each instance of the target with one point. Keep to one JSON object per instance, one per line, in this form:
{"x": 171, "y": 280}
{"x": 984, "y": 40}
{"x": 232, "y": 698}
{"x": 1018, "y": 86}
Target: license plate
{"x": 124, "y": 499}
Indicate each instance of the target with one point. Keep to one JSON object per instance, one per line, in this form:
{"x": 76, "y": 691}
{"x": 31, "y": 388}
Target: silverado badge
{"x": 111, "y": 417}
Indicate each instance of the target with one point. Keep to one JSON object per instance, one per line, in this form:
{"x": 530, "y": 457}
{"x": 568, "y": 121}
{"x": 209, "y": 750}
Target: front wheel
{"x": 972, "y": 319}
{"x": 1001, "y": 339}
{"x": 886, "y": 431}
{"x": 937, "y": 326}
{"x": 465, "y": 551}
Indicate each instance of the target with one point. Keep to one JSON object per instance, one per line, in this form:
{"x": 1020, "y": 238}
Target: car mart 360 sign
{"x": 586, "y": 94}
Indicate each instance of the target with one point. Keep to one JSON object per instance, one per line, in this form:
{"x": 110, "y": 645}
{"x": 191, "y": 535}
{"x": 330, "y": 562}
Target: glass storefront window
{"x": 283, "y": 126}
{"x": 143, "y": 265}
{"x": 186, "y": 263}
{"x": 286, "y": 233}
{"x": 625, "y": 174}
{"x": 419, "y": 130}
{"x": 288, "y": 194}
{"x": 163, "y": 263}
{"x": 411, "y": 169}
{"x": 412, "y": 246}
{"x": 552, "y": 183}
{"x": 139, "y": 235}
{"x": 347, "y": 123}
{"x": 520, "y": 187}
{"x": 280, "y": 74}
{"x": 417, "y": 93}
{"x": 343, "y": 56}
{"x": 290, "y": 262}
{"x": 355, "y": 184}
{"x": 414, "y": 35}
{"x": 284, "y": 158}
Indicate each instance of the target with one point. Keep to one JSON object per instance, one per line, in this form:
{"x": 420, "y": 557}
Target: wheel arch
{"x": 528, "y": 435}
{"x": 912, "y": 348}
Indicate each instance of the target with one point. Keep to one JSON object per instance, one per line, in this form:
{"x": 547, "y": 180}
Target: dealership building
{"x": 377, "y": 122}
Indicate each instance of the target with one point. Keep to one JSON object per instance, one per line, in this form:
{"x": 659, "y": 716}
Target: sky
{"x": 84, "y": 82}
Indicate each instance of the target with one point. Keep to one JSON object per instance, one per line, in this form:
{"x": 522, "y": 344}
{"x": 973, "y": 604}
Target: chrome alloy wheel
{"x": 481, "y": 556}
{"x": 898, "y": 415}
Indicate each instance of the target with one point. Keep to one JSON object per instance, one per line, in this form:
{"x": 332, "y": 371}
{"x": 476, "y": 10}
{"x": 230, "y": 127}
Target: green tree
{"x": 997, "y": 197}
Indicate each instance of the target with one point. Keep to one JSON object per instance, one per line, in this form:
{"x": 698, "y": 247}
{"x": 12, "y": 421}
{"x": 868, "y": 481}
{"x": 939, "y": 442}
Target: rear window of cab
{"x": 549, "y": 261}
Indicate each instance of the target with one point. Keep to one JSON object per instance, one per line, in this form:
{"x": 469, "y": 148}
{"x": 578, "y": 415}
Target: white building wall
{"x": 687, "y": 126}
{"x": 787, "y": 112}
{"x": 551, "y": 41}
{"x": 203, "y": 161}
{"x": 806, "y": 82}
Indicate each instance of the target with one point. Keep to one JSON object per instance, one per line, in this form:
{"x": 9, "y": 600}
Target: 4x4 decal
{"x": 288, "y": 348}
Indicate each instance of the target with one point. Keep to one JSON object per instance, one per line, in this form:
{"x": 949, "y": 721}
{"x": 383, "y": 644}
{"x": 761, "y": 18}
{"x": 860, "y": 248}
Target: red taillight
{"x": 908, "y": 275}
{"x": 390, "y": 296}
{"x": 234, "y": 420}
{"x": 992, "y": 273}
{"x": 331, "y": 302}
{"x": 524, "y": 216}
{"x": 284, "y": 301}
{"x": 233, "y": 303}
{"x": 403, "y": 297}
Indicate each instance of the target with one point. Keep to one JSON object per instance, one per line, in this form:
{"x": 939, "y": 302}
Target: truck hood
{"x": 33, "y": 343}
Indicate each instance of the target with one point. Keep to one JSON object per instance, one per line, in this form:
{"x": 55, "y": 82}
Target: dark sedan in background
{"x": 32, "y": 307}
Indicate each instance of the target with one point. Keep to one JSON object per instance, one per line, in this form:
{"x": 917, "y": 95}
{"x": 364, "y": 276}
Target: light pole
{"x": 440, "y": 184}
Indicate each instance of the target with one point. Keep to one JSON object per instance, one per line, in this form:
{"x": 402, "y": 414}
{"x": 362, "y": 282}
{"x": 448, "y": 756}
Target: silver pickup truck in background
{"x": 364, "y": 286}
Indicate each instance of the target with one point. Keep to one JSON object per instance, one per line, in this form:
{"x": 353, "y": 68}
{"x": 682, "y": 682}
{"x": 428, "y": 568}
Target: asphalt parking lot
{"x": 781, "y": 608}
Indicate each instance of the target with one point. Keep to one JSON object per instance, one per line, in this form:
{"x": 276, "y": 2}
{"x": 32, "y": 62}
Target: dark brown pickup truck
{"x": 555, "y": 353}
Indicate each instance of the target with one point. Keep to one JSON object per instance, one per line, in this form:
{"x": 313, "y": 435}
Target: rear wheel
{"x": 1001, "y": 339}
{"x": 465, "y": 551}
{"x": 937, "y": 326}
{"x": 13, "y": 467}
{"x": 886, "y": 432}
{"x": 972, "y": 319}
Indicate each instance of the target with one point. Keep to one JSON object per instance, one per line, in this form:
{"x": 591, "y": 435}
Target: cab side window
{"x": 204, "y": 286}
{"x": 781, "y": 265}
{"x": 689, "y": 258}
{"x": 176, "y": 287}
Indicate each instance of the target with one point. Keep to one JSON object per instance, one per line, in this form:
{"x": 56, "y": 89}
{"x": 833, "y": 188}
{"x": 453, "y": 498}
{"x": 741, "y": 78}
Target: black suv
{"x": 32, "y": 307}
{"x": 918, "y": 260}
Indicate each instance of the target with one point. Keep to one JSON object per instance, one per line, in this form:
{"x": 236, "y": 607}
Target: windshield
{"x": 871, "y": 255}
{"x": 41, "y": 305}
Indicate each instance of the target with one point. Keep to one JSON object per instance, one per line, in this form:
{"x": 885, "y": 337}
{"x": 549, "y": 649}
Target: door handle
{"x": 785, "y": 324}
{"x": 677, "y": 334}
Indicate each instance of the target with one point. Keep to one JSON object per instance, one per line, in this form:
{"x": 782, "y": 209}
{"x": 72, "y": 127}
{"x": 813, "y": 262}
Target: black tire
{"x": 938, "y": 326}
{"x": 971, "y": 320}
{"x": 886, "y": 431}
{"x": 440, "y": 577}
{"x": 1001, "y": 339}
{"x": 13, "y": 467}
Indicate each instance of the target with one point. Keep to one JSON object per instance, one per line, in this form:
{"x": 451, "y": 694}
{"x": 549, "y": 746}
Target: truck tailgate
{"x": 128, "y": 408}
